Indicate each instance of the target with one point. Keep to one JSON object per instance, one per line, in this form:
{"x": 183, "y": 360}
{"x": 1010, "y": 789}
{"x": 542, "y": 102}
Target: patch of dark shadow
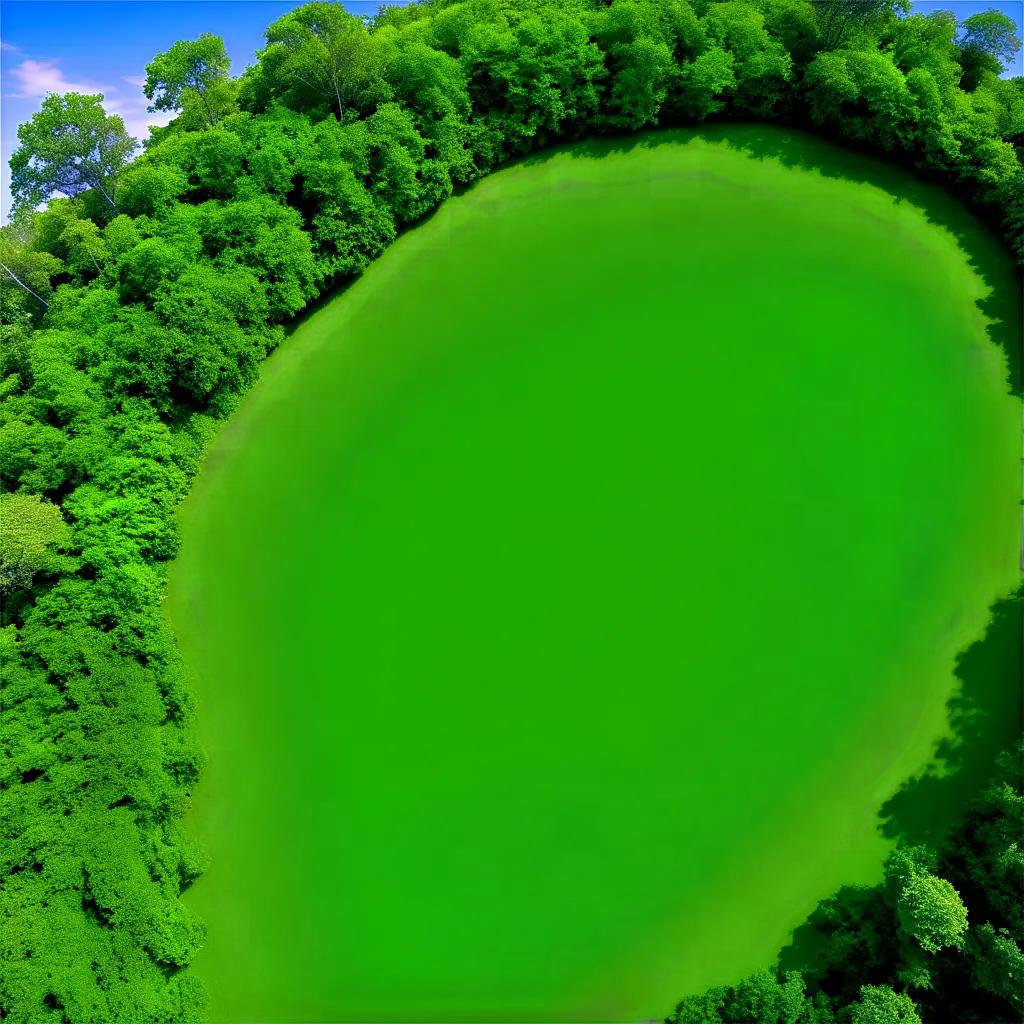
{"x": 59, "y": 682}
{"x": 59, "y": 493}
{"x": 851, "y": 926}
{"x": 16, "y": 869}
{"x": 37, "y": 866}
{"x": 854, "y": 926}
{"x": 99, "y": 915}
{"x": 985, "y": 717}
{"x": 32, "y": 774}
{"x": 168, "y": 968}
{"x": 184, "y": 772}
{"x": 174, "y": 711}
{"x": 125, "y": 801}
{"x": 51, "y": 1002}
{"x": 974, "y": 225}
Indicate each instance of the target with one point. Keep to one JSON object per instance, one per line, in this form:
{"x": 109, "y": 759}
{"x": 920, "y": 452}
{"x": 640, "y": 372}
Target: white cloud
{"x": 6, "y": 47}
{"x": 137, "y": 119}
{"x": 36, "y": 78}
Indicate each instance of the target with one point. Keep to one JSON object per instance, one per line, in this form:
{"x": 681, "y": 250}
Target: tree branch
{"x": 17, "y": 280}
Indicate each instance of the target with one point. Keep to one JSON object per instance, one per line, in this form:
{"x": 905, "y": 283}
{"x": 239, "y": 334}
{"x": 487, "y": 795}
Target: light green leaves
{"x": 192, "y": 75}
{"x": 931, "y": 911}
{"x": 879, "y": 1004}
{"x": 69, "y": 146}
{"x": 31, "y": 529}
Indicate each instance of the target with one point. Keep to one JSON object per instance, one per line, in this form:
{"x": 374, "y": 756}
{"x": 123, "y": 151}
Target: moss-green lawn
{"x": 573, "y": 589}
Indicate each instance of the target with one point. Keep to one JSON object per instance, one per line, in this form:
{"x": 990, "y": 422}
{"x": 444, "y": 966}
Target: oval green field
{"x": 573, "y": 589}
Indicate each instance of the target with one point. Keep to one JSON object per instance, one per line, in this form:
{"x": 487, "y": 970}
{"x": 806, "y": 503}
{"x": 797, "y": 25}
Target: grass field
{"x": 573, "y": 589}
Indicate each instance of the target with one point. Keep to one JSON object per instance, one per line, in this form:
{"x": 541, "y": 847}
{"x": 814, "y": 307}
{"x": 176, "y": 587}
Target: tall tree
{"x": 838, "y": 20}
{"x": 320, "y": 54}
{"x": 987, "y": 40}
{"x": 191, "y": 73}
{"x": 69, "y": 146}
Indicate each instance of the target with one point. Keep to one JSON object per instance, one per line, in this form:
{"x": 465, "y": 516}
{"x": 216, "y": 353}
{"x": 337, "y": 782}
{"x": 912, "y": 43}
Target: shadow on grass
{"x": 853, "y": 926}
{"x": 985, "y": 716}
{"x": 832, "y": 157}
{"x": 792, "y": 147}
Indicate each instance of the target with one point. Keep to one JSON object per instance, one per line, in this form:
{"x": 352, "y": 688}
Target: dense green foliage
{"x": 138, "y": 306}
{"x": 939, "y": 940}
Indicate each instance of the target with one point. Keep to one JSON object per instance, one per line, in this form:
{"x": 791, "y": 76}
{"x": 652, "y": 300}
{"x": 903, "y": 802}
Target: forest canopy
{"x": 143, "y": 285}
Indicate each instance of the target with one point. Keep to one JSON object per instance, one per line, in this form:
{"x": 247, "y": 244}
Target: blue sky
{"x": 105, "y": 45}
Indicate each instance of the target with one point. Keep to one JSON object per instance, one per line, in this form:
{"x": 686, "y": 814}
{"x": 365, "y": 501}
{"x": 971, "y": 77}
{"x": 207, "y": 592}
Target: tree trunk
{"x": 21, "y": 284}
{"x": 337, "y": 96}
{"x": 209, "y": 112}
{"x": 106, "y": 195}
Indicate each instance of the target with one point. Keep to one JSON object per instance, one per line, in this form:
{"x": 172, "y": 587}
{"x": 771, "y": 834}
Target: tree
{"x": 931, "y": 911}
{"x": 432, "y": 85}
{"x": 191, "y": 73}
{"x": 865, "y": 93}
{"x": 879, "y": 1004}
{"x": 794, "y": 24}
{"x": 24, "y": 267}
{"x": 998, "y": 965}
{"x": 62, "y": 231}
{"x": 838, "y": 20}
{"x": 925, "y": 42}
{"x": 533, "y": 72}
{"x": 765, "y": 997}
{"x": 320, "y": 55}
{"x": 69, "y": 146}
{"x": 86, "y": 253}
{"x": 30, "y": 528}
{"x": 987, "y": 40}
{"x": 640, "y": 59}
{"x": 702, "y": 83}
{"x": 150, "y": 189}
{"x": 760, "y": 65}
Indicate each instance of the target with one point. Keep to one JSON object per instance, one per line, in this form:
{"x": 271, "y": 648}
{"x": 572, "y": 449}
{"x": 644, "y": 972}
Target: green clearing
{"x": 572, "y": 590}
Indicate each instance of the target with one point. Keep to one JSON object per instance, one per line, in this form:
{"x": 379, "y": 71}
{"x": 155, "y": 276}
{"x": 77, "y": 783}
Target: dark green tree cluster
{"x": 138, "y": 306}
{"x": 940, "y": 940}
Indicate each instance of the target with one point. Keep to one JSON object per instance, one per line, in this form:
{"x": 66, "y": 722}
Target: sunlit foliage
{"x": 139, "y": 304}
